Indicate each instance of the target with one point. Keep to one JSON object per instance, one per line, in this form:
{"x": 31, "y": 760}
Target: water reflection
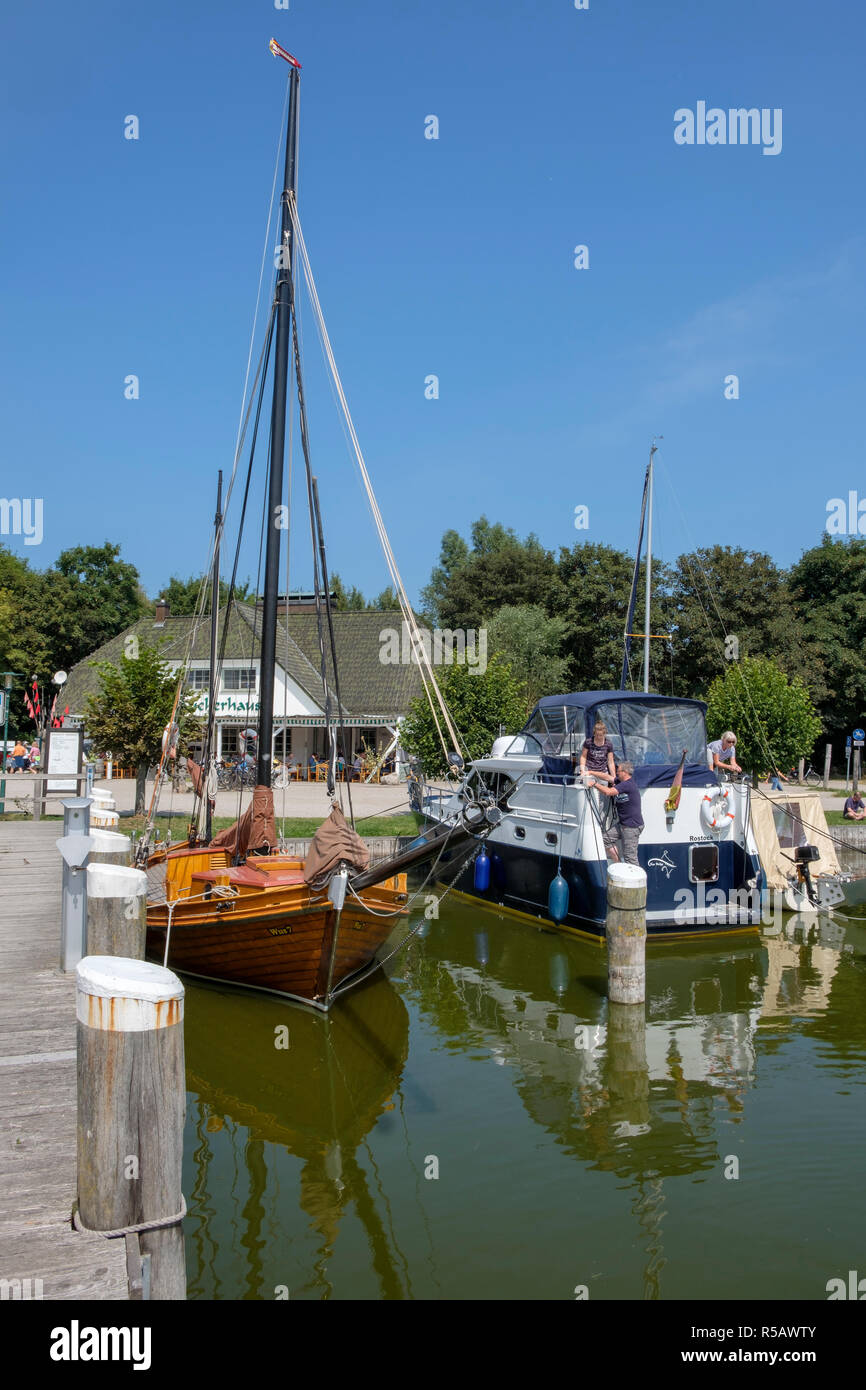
{"x": 263, "y": 1074}
{"x": 309, "y": 1136}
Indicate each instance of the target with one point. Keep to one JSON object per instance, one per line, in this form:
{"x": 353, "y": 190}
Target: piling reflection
{"x": 309, "y": 1138}
{"x": 266, "y": 1080}
{"x": 646, "y": 1092}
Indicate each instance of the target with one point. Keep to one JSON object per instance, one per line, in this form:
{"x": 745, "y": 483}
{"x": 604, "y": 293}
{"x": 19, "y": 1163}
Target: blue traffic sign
{"x": 848, "y": 741}
{"x": 858, "y": 733}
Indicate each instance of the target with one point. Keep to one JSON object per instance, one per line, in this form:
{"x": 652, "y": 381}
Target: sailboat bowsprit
{"x": 233, "y": 908}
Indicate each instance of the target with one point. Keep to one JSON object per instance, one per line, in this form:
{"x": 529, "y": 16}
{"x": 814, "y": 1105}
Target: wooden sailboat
{"x": 233, "y": 908}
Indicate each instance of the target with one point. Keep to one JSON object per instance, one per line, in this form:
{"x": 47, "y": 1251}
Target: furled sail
{"x": 333, "y": 844}
{"x": 255, "y": 831}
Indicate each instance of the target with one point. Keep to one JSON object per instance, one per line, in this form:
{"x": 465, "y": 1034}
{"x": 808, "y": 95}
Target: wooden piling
{"x": 116, "y": 911}
{"x": 107, "y": 847}
{"x": 131, "y": 1105}
{"x": 625, "y": 931}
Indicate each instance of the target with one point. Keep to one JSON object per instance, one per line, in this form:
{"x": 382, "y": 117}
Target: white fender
{"x": 716, "y": 813}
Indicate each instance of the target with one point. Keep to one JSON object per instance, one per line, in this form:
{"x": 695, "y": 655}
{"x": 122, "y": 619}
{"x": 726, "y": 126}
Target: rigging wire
{"x": 428, "y": 676}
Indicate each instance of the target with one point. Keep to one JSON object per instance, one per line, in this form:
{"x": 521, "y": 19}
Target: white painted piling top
{"x": 625, "y": 875}
{"x": 109, "y": 840}
{"x": 118, "y": 995}
{"x": 115, "y": 880}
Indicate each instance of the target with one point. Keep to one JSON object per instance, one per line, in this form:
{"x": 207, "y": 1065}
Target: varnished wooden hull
{"x": 277, "y": 937}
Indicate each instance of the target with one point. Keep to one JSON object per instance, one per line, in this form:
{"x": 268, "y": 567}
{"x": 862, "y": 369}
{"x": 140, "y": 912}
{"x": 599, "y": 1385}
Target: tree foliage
{"x": 771, "y": 714}
{"x": 828, "y": 588}
{"x": 479, "y": 702}
{"x": 182, "y": 595}
{"x": 129, "y": 713}
{"x": 530, "y": 643}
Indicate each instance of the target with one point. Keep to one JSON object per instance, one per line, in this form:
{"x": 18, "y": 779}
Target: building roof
{"x": 367, "y": 685}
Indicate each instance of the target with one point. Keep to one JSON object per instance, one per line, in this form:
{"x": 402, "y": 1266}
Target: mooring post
{"x": 108, "y": 847}
{"x": 131, "y": 1107}
{"x": 828, "y": 754}
{"x": 74, "y": 846}
{"x": 116, "y": 911}
{"x": 625, "y": 929}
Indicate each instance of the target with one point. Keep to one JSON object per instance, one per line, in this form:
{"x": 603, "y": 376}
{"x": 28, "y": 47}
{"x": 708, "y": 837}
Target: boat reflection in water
{"x": 573, "y": 1131}
{"x": 263, "y": 1074}
{"x": 642, "y": 1092}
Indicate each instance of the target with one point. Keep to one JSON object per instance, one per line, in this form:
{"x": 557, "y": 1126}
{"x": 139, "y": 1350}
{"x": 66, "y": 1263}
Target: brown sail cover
{"x": 254, "y": 831}
{"x": 334, "y": 842}
{"x": 195, "y": 772}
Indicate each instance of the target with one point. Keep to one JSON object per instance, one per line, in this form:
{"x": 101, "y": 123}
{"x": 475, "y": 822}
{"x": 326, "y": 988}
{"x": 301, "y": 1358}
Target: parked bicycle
{"x": 810, "y": 776}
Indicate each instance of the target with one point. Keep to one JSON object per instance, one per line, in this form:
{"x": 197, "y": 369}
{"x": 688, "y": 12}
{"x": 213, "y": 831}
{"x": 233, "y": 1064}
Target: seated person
{"x": 855, "y": 807}
{"x": 596, "y": 758}
{"x": 721, "y": 753}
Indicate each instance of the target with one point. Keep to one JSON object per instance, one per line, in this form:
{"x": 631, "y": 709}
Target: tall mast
{"x": 649, "y": 570}
{"x": 278, "y": 442}
{"x": 214, "y": 624}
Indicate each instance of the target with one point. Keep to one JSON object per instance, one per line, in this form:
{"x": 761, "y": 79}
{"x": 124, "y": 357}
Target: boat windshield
{"x": 654, "y": 734}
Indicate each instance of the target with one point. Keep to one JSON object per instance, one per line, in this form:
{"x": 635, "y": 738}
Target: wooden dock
{"x": 38, "y": 1086}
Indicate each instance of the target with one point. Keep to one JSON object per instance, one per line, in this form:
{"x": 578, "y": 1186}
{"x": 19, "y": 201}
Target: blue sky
{"x": 451, "y": 257}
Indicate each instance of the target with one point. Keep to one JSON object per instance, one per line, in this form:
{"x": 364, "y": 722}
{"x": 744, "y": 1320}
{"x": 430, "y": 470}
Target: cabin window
{"x": 654, "y": 732}
{"x": 239, "y": 678}
{"x": 519, "y": 832}
{"x": 704, "y": 863}
{"x": 550, "y": 838}
{"x": 198, "y": 678}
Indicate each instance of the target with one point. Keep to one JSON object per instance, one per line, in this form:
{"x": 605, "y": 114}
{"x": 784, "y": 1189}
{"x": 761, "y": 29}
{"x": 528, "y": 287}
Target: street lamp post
{"x": 8, "y": 678}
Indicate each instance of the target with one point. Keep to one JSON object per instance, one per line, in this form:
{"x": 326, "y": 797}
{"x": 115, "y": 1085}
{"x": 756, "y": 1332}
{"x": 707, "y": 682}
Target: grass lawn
{"x": 297, "y": 826}
{"x": 292, "y": 826}
{"x": 837, "y": 818}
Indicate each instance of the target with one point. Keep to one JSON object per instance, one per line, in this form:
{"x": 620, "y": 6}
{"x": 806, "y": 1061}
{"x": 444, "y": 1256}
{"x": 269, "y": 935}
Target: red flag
{"x": 36, "y": 699}
{"x": 29, "y": 704}
{"x": 280, "y": 52}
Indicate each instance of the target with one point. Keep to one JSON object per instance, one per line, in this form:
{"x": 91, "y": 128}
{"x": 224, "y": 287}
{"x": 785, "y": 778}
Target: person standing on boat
{"x": 622, "y": 837}
{"x": 596, "y": 758}
{"x": 722, "y": 753}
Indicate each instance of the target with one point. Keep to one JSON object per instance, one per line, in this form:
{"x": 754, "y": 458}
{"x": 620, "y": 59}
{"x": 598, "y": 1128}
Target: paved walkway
{"x": 307, "y": 799}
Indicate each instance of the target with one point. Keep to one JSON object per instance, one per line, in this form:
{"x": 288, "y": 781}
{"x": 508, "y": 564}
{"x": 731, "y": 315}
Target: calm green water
{"x": 577, "y": 1143}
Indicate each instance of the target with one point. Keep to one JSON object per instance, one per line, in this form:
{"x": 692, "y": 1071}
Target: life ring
{"x": 716, "y": 813}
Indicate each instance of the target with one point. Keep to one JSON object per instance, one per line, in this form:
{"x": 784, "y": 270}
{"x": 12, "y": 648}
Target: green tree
{"x": 24, "y": 646}
{"x": 478, "y": 703}
{"x": 347, "y": 600}
{"x": 129, "y": 713}
{"x": 182, "y": 595}
{"x": 828, "y": 587}
{"x": 590, "y": 594}
{"x": 499, "y": 570}
{"x": 454, "y": 552}
{"x": 719, "y": 591}
{"x": 89, "y": 596}
{"x": 531, "y": 644}
{"x": 773, "y": 716}
{"x": 386, "y": 602}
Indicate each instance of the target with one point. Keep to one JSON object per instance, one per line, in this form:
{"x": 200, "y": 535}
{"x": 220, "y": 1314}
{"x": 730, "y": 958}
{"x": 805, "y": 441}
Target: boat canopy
{"x": 782, "y": 821}
{"x": 650, "y": 731}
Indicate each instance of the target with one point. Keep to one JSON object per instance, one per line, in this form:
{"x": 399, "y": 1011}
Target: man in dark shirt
{"x": 855, "y": 807}
{"x": 622, "y": 837}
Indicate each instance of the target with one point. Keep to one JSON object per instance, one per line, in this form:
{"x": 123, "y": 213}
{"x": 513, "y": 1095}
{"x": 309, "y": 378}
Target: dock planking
{"x": 38, "y": 1083}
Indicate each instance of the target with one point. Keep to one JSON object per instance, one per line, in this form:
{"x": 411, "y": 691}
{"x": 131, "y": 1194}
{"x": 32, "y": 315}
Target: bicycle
{"x": 810, "y": 777}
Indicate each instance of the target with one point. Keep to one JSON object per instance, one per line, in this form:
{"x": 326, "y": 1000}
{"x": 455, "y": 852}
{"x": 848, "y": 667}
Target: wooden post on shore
{"x": 116, "y": 911}
{"x": 625, "y": 930}
{"x": 108, "y": 847}
{"x": 131, "y": 1106}
{"x": 828, "y": 754}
